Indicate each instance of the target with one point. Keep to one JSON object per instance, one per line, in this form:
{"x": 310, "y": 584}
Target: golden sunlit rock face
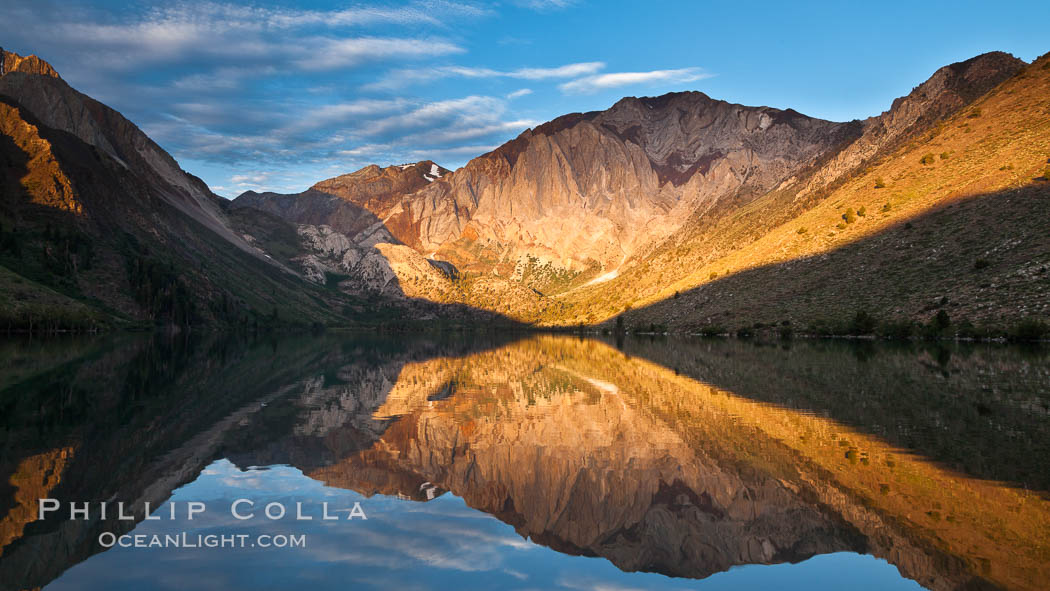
{"x": 43, "y": 179}
{"x": 589, "y": 451}
{"x": 31, "y": 64}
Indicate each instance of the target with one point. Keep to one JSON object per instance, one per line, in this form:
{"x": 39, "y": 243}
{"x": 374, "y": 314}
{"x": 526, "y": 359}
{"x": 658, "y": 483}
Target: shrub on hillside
{"x": 1029, "y": 329}
{"x": 863, "y": 211}
{"x": 937, "y": 325}
{"x": 896, "y": 329}
{"x": 886, "y": 208}
{"x": 945, "y": 155}
{"x": 927, "y": 158}
{"x": 849, "y": 217}
{"x": 800, "y": 231}
{"x": 863, "y": 323}
{"x": 1046, "y": 174}
{"x": 879, "y": 183}
{"x": 980, "y": 264}
{"x": 823, "y": 328}
{"x": 965, "y": 329}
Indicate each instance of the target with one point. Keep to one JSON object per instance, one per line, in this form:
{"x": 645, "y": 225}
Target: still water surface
{"x": 535, "y": 462}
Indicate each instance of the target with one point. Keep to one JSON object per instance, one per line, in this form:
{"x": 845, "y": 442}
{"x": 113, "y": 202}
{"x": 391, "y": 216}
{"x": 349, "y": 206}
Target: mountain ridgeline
{"x": 101, "y": 228}
{"x": 676, "y": 211}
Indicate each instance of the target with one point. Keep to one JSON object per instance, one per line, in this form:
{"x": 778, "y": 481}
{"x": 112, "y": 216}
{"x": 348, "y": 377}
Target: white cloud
{"x": 185, "y": 33}
{"x": 404, "y": 77}
{"x": 250, "y": 179}
{"x": 545, "y": 5}
{"x": 330, "y": 54}
{"x": 328, "y": 115}
{"x": 566, "y": 71}
{"x": 466, "y": 111}
{"x": 224, "y": 78}
{"x": 519, "y": 93}
{"x": 598, "y": 82}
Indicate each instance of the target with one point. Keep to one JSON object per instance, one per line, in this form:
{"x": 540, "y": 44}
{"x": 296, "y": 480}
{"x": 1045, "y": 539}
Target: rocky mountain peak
{"x": 948, "y": 90}
{"x": 31, "y": 64}
{"x": 957, "y": 84}
{"x": 377, "y": 188}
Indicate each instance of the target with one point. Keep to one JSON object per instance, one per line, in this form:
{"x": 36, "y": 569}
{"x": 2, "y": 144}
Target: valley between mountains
{"x": 679, "y": 212}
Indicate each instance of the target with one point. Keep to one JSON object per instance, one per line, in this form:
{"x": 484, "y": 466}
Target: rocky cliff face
{"x": 588, "y": 191}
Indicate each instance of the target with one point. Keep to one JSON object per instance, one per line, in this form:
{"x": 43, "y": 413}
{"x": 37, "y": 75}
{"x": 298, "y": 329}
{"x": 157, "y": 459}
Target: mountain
{"x": 556, "y": 207}
{"x": 352, "y": 204}
{"x": 677, "y": 211}
{"x": 948, "y": 216}
{"x": 594, "y": 214}
{"x": 99, "y": 226}
{"x": 583, "y": 192}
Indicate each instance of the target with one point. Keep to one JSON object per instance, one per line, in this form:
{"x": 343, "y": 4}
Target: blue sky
{"x": 276, "y": 96}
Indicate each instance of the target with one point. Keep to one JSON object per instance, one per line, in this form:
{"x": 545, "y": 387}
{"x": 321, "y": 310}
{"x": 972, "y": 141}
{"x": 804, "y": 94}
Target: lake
{"x": 521, "y": 461}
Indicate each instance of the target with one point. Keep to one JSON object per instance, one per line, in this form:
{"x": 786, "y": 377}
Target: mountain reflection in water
{"x": 684, "y": 458}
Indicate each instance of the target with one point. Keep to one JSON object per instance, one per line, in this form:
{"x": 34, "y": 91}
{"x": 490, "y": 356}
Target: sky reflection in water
{"x": 441, "y": 544}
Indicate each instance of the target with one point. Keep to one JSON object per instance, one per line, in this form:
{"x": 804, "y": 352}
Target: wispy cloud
{"x": 326, "y": 116}
{"x": 590, "y": 84}
{"x": 469, "y": 110}
{"x": 545, "y": 5}
{"x": 183, "y": 33}
{"x": 261, "y": 96}
{"x": 405, "y": 77}
{"x": 329, "y": 54}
